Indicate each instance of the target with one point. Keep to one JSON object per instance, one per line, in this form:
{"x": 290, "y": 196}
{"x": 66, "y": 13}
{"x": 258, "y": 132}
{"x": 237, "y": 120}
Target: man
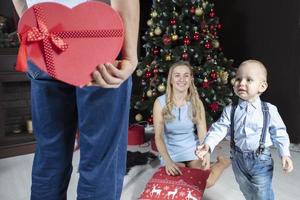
{"x": 59, "y": 109}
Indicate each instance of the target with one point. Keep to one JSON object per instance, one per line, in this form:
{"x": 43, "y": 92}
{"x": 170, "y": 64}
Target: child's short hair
{"x": 257, "y": 63}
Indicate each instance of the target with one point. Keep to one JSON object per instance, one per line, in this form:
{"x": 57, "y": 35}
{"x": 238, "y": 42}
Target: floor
{"x": 15, "y": 178}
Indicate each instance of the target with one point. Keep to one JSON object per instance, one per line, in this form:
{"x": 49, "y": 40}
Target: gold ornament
{"x": 215, "y": 44}
{"x": 161, "y": 88}
{"x": 168, "y": 57}
{"x": 138, "y": 117}
{"x": 151, "y": 34}
{"x": 174, "y": 37}
{"x": 139, "y": 72}
{"x": 224, "y": 76}
{"x": 199, "y": 11}
{"x": 153, "y": 14}
{"x": 232, "y": 81}
{"x": 149, "y": 22}
{"x": 149, "y": 93}
{"x": 157, "y": 31}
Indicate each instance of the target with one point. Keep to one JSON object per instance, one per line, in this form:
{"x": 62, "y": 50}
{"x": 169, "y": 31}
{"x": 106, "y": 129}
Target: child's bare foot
{"x": 225, "y": 161}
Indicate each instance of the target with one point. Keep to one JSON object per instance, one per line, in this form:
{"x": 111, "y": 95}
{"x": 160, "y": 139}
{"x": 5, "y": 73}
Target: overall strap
{"x": 233, "y": 108}
{"x": 266, "y": 116}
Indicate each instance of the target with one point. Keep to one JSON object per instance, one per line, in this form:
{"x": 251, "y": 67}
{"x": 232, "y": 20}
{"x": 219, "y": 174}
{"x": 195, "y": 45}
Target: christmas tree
{"x": 182, "y": 30}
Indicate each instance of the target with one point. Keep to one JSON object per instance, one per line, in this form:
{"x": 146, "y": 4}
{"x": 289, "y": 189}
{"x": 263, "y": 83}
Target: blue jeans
{"x": 254, "y": 174}
{"x": 101, "y": 116}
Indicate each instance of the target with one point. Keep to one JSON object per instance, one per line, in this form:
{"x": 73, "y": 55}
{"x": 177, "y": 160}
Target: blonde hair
{"x": 196, "y": 107}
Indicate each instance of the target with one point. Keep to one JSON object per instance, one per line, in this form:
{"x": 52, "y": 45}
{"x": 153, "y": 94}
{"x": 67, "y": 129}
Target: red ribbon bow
{"x": 35, "y": 34}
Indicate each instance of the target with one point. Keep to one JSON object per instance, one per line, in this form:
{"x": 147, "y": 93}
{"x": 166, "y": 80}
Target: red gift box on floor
{"x": 68, "y": 43}
{"x": 188, "y": 186}
{"x": 136, "y": 134}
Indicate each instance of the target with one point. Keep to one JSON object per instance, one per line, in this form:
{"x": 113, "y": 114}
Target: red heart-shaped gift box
{"x": 68, "y": 43}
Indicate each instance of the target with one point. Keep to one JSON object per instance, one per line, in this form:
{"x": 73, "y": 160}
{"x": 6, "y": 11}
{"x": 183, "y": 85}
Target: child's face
{"x": 250, "y": 81}
{"x": 181, "y": 78}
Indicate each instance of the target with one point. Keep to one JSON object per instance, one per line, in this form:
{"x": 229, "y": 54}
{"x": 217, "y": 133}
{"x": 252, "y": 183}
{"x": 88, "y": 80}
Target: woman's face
{"x": 181, "y": 78}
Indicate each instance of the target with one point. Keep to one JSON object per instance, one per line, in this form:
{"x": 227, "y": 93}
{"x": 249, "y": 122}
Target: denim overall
{"x": 253, "y": 170}
{"x": 101, "y": 116}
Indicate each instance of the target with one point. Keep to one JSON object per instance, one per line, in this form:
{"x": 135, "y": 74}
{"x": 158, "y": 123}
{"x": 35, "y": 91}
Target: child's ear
{"x": 263, "y": 87}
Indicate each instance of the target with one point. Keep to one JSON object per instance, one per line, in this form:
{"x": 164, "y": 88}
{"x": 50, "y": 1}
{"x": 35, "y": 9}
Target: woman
{"x": 175, "y": 115}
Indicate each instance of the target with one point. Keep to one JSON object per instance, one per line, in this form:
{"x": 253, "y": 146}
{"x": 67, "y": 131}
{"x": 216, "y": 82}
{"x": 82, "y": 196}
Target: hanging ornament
{"x": 139, "y": 72}
{"x": 213, "y": 75}
{"x": 155, "y": 51}
{"x": 155, "y": 70}
{"x": 153, "y": 14}
{"x": 192, "y": 10}
{"x": 224, "y": 76}
{"x": 167, "y": 40}
{"x": 157, "y": 31}
{"x": 212, "y": 13}
{"x": 186, "y": 40}
{"x": 196, "y": 36}
{"x": 174, "y": 37}
{"x": 173, "y": 21}
{"x": 219, "y": 26}
{"x": 150, "y": 22}
{"x": 185, "y": 56}
{"x": 148, "y": 74}
{"x": 214, "y": 106}
{"x": 207, "y": 45}
{"x": 149, "y": 93}
{"x": 199, "y": 11}
{"x": 168, "y": 57}
{"x": 150, "y": 119}
{"x": 138, "y": 117}
{"x": 212, "y": 27}
{"x": 215, "y": 44}
{"x": 151, "y": 33}
{"x": 161, "y": 88}
{"x": 205, "y": 83}
{"x": 232, "y": 81}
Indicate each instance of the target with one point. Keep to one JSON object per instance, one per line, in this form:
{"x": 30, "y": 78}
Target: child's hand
{"x": 202, "y": 150}
{"x": 287, "y": 164}
{"x": 206, "y": 161}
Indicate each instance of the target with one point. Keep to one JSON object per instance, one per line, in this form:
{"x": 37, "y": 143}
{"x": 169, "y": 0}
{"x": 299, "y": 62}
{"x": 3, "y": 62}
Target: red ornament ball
{"x": 196, "y": 36}
{"x": 155, "y": 51}
{"x": 207, "y": 45}
{"x": 219, "y": 26}
{"x": 212, "y": 14}
{"x": 186, "y": 40}
{"x": 148, "y": 74}
{"x": 192, "y": 10}
{"x": 173, "y": 21}
{"x": 167, "y": 40}
{"x": 214, "y": 106}
{"x": 185, "y": 56}
{"x": 213, "y": 75}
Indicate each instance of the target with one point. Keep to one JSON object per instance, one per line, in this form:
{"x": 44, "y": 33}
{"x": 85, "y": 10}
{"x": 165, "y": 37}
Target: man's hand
{"x": 202, "y": 150}
{"x": 110, "y": 75}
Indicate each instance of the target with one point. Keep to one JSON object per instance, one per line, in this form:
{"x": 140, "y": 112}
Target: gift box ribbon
{"x": 53, "y": 40}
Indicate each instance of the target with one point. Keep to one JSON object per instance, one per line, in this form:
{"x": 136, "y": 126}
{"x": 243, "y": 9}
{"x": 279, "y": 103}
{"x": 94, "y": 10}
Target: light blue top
{"x": 69, "y": 3}
{"x": 248, "y": 124}
{"x": 179, "y": 136}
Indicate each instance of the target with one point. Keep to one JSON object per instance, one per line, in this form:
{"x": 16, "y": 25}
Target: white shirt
{"x": 69, "y": 3}
{"x": 248, "y": 124}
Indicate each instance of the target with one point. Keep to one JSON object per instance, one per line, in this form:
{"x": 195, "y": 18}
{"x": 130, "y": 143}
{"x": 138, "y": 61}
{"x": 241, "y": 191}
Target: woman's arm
{"x": 201, "y": 126}
{"x": 158, "y": 123}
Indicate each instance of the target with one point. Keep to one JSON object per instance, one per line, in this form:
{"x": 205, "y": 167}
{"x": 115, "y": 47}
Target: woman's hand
{"x": 172, "y": 169}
